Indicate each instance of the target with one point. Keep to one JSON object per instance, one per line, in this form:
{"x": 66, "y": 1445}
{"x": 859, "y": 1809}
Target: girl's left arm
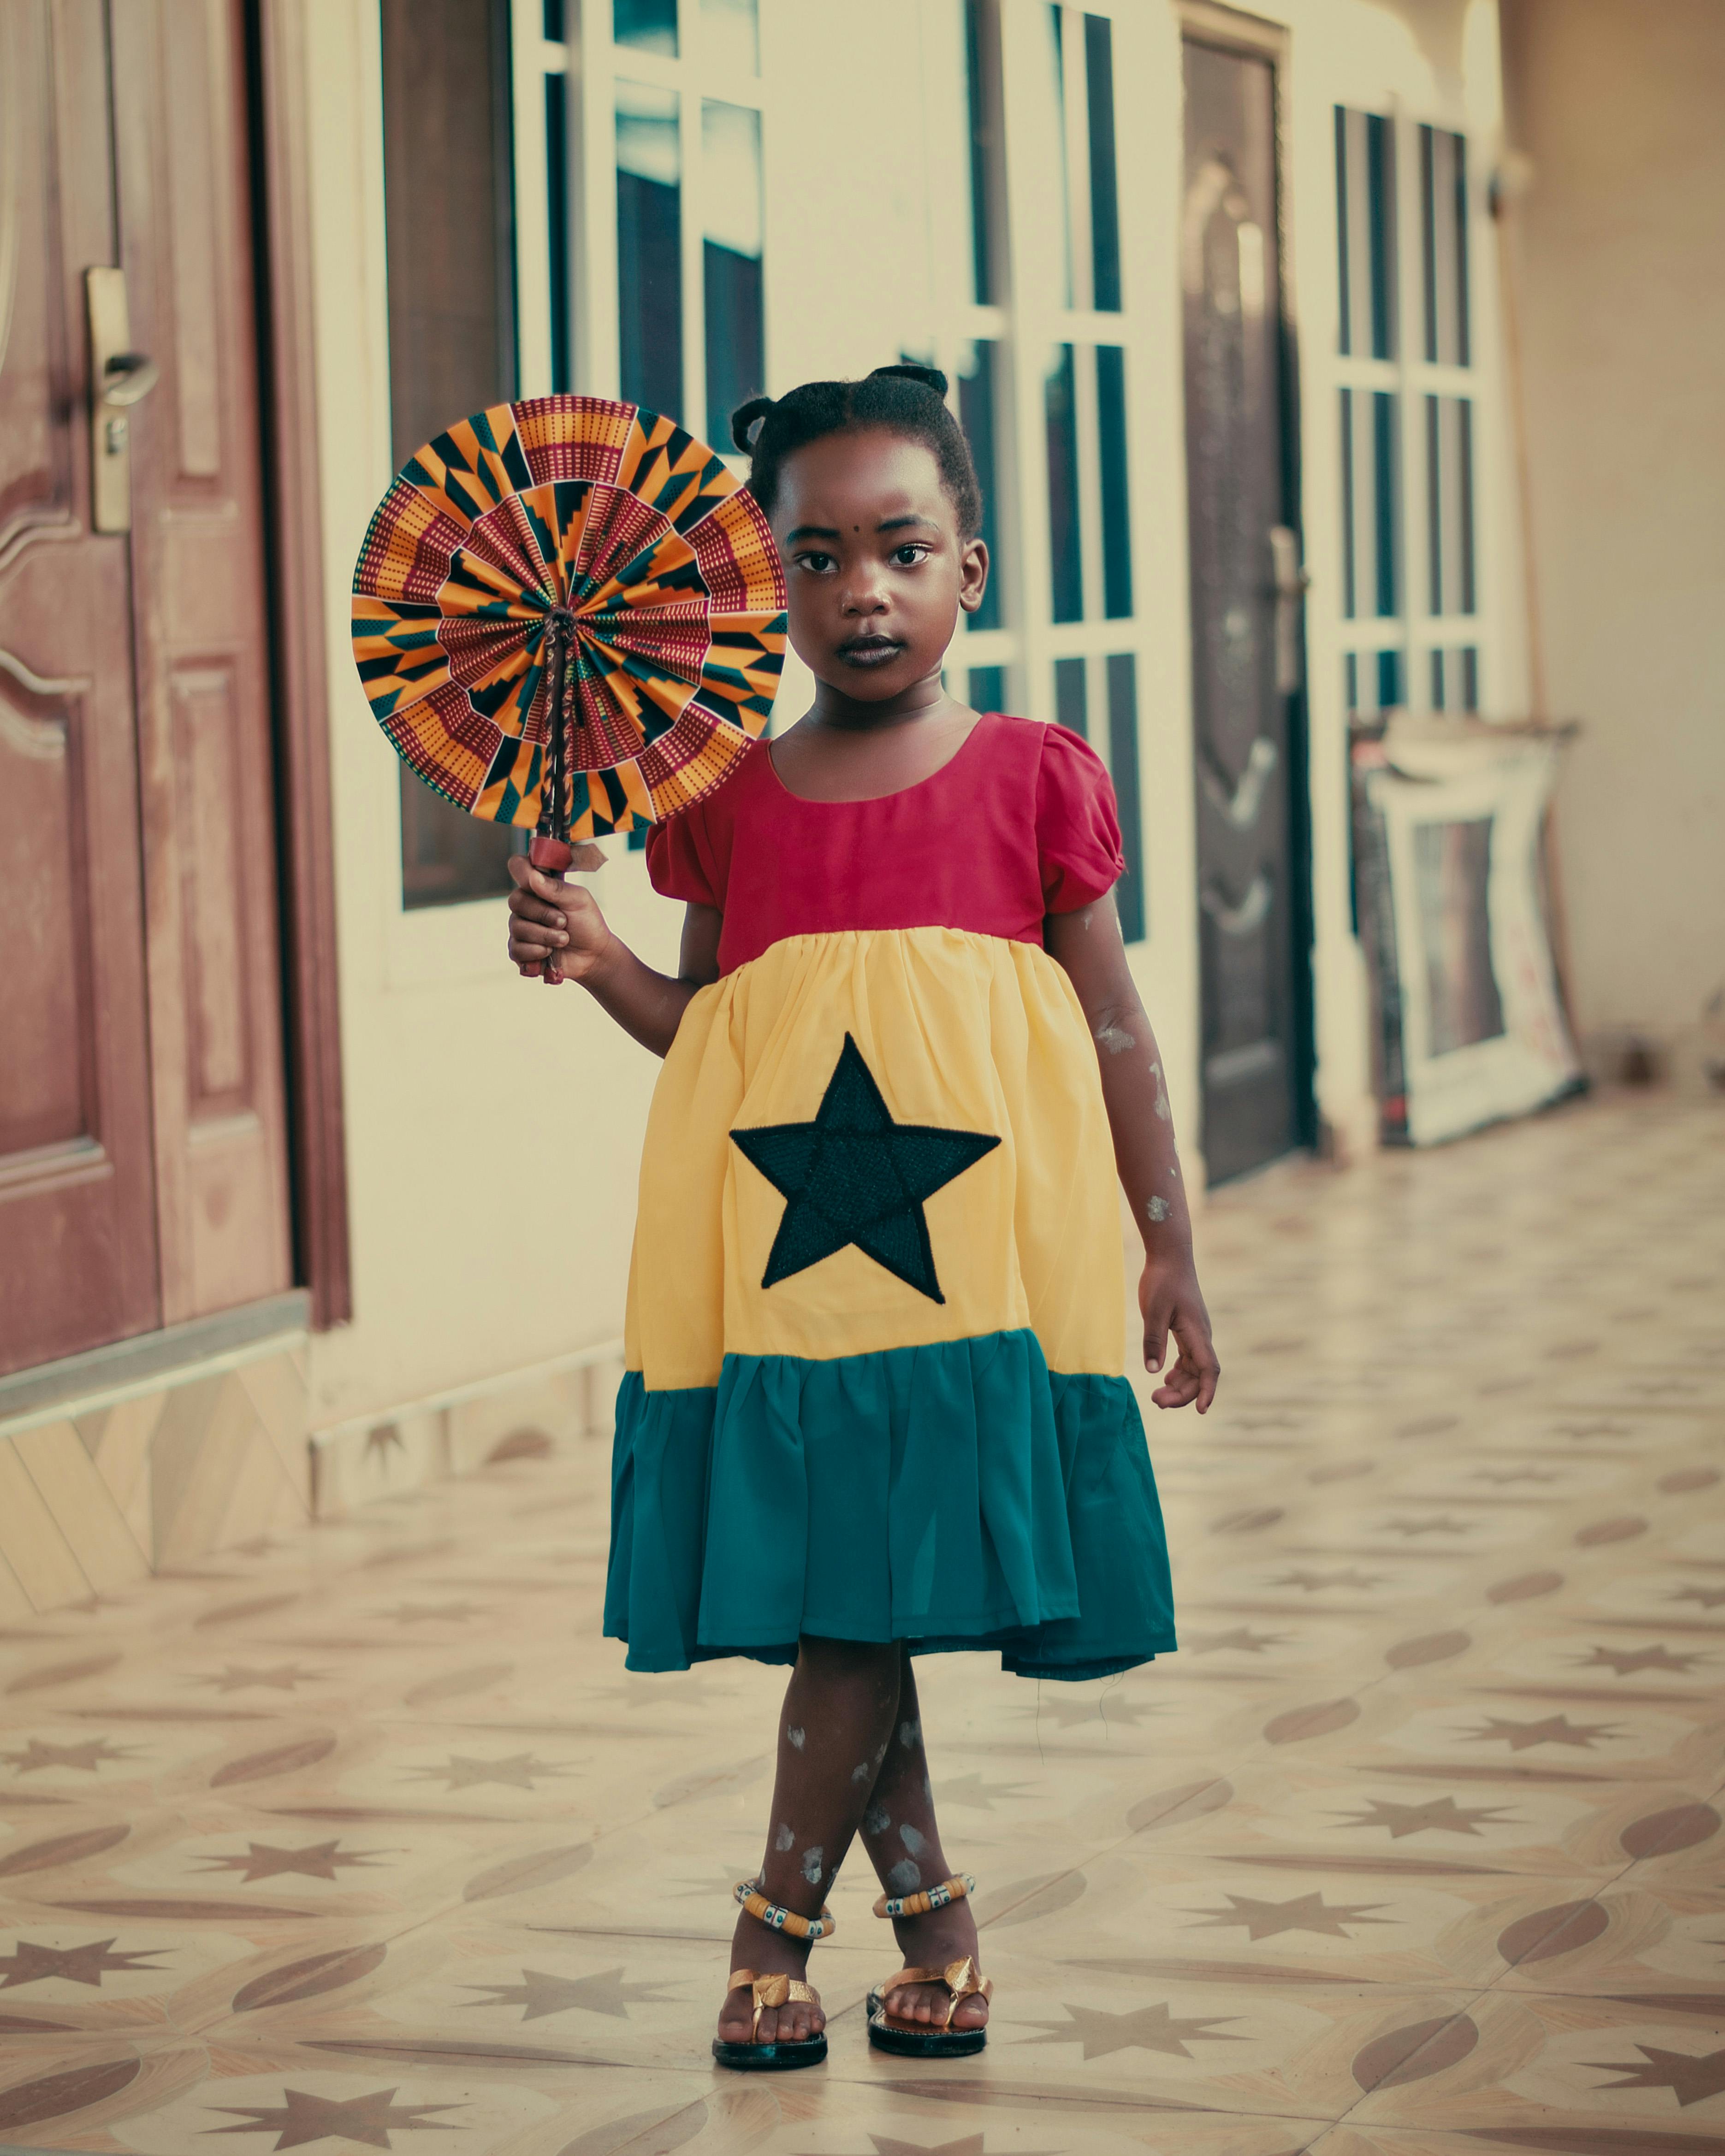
{"x": 1088, "y": 945}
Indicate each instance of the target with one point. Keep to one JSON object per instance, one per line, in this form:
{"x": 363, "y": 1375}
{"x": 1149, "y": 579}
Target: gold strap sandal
{"x": 775, "y": 1990}
{"x": 923, "y": 2040}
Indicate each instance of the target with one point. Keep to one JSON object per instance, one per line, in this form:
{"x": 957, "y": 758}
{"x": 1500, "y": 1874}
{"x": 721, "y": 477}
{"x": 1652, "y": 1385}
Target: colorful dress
{"x": 875, "y": 1387}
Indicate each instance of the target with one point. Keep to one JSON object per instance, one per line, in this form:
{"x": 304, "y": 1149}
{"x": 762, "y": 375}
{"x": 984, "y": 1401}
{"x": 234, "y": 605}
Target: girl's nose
{"x": 865, "y": 593}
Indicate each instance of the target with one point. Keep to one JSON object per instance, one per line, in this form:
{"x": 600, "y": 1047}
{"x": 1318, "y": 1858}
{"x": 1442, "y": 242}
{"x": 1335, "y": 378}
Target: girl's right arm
{"x": 562, "y": 922}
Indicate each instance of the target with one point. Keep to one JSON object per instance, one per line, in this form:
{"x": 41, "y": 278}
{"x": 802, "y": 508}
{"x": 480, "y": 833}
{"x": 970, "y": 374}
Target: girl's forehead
{"x": 871, "y": 470}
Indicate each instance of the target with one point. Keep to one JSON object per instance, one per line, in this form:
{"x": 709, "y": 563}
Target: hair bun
{"x": 746, "y": 415}
{"x": 912, "y": 370}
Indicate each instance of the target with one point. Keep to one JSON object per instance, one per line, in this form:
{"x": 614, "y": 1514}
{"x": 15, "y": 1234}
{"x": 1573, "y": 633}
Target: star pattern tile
{"x": 1142, "y": 2028}
{"x": 85, "y": 1758}
{"x": 520, "y": 1771}
{"x": 1692, "y": 2078}
{"x": 1552, "y": 1729}
{"x": 538, "y": 1995}
{"x": 302, "y": 2118}
{"x": 285, "y": 1676}
{"x": 1437, "y": 1815}
{"x": 321, "y": 1860}
{"x": 1304, "y": 1912}
{"x": 30, "y": 1964}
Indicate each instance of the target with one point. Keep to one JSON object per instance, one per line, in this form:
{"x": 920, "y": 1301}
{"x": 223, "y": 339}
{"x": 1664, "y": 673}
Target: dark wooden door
{"x": 142, "y": 1158}
{"x": 1246, "y": 655}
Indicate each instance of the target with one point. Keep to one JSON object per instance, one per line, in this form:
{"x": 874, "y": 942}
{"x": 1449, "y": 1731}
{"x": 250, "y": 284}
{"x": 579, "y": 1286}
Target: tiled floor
{"x": 363, "y": 1839}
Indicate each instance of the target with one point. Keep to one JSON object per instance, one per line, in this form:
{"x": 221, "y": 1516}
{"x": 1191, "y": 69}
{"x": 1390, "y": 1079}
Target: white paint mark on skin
{"x": 1115, "y": 1039}
{"x": 928, "y": 1788}
{"x": 1162, "y": 1108}
{"x": 1174, "y": 1173}
{"x": 916, "y": 1843}
{"x": 1158, "y": 1208}
{"x": 797, "y": 1739}
{"x": 877, "y": 1819}
{"x": 862, "y": 1771}
{"x": 910, "y": 1735}
{"x": 904, "y": 1878}
{"x": 812, "y": 1859}
{"x": 784, "y": 1837}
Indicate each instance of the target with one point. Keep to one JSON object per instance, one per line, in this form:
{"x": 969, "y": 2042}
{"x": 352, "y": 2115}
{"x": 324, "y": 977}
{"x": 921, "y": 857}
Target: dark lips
{"x": 869, "y": 651}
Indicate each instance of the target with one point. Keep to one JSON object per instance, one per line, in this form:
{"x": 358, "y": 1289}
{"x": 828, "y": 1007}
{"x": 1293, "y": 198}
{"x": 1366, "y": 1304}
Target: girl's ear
{"x": 973, "y": 574}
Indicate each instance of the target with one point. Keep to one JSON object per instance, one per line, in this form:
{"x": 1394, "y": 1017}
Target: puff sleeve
{"x": 1078, "y": 830}
{"x": 683, "y": 860}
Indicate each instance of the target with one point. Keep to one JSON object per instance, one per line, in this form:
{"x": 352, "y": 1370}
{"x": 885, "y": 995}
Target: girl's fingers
{"x": 545, "y": 933}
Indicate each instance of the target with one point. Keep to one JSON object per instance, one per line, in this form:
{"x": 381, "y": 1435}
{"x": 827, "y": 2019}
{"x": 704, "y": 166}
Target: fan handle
{"x": 549, "y": 850}
{"x": 551, "y": 857}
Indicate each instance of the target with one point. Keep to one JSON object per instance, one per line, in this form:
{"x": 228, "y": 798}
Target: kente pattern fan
{"x": 573, "y": 554}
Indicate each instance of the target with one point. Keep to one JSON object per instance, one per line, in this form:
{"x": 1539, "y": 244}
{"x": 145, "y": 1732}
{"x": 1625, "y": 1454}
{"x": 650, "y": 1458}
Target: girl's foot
{"x": 935, "y": 1940}
{"x": 768, "y": 1953}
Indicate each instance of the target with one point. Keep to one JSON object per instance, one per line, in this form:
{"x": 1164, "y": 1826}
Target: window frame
{"x": 1416, "y": 631}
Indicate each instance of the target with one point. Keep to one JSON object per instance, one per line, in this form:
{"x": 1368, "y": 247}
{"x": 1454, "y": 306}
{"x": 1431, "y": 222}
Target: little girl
{"x": 875, "y": 1405}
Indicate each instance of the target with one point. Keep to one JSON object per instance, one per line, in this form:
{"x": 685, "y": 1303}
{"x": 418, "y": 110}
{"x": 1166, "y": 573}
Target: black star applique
{"x": 853, "y": 1175}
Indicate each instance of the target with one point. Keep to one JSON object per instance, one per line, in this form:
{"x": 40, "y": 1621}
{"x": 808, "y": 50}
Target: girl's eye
{"x": 907, "y": 556}
{"x": 819, "y": 563}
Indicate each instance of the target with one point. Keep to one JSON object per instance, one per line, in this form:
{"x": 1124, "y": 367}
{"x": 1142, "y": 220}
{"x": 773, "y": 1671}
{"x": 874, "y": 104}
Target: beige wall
{"x": 1619, "y": 242}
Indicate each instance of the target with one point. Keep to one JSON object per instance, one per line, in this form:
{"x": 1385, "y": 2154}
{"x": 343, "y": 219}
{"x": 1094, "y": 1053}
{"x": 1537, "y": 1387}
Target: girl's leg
{"x": 903, "y": 1839}
{"x": 840, "y": 1709}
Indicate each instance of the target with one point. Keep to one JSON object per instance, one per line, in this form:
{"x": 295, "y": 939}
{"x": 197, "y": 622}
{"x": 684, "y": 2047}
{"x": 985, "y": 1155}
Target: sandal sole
{"x": 770, "y": 2058}
{"x": 885, "y": 2035}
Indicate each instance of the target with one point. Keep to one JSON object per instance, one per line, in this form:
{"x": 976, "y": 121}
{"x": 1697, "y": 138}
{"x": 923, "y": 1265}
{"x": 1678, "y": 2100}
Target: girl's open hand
{"x": 1169, "y": 1298}
{"x": 554, "y": 920}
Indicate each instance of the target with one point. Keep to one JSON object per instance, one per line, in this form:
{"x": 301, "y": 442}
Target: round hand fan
{"x": 567, "y": 615}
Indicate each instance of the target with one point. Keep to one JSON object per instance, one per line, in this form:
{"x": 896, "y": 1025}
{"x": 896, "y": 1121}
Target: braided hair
{"x": 907, "y": 401}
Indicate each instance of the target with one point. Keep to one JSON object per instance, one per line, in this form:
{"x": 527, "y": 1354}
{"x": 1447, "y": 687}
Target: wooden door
{"x": 142, "y": 1161}
{"x": 77, "y": 1188}
{"x": 1246, "y": 654}
{"x": 202, "y": 642}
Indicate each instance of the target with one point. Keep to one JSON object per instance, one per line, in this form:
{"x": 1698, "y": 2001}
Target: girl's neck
{"x": 833, "y": 711}
{"x": 841, "y": 749}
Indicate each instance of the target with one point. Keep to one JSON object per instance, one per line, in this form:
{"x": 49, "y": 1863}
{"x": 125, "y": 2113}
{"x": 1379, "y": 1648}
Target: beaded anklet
{"x": 956, "y": 1889}
{"x": 753, "y": 1903}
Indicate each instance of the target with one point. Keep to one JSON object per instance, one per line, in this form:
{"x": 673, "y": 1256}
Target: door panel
{"x": 1253, "y": 1078}
{"x": 202, "y": 680}
{"x": 77, "y": 1216}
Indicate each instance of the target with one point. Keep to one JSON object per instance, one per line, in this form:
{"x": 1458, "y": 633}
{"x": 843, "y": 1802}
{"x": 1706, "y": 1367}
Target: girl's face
{"x": 875, "y": 570}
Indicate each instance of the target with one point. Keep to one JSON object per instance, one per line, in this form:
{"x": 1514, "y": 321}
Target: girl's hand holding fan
{"x": 556, "y": 929}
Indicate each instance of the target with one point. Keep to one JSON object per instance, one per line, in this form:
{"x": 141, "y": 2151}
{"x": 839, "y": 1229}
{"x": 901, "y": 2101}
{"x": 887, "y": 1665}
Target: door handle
{"x": 119, "y": 378}
{"x": 1288, "y": 581}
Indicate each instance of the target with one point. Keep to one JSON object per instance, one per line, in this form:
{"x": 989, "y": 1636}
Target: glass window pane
{"x": 982, "y": 79}
{"x": 1072, "y": 705}
{"x": 1389, "y": 680}
{"x": 1116, "y": 489}
{"x": 1450, "y": 502}
{"x": 1123, "y": 768}
{"x": 649, "y": 248}
{"x": 557, "y": 220}
{"x": 1105, "y": 186}
{"x": 1443, "y": 178}
{"x": 1383, "y": 500}
{"x": 730, "y": 34}
{"x": 1370, "y": 582}
{"x": 649, "y": 25}
{"x": 731, "y": 262}
{"x": 988, "y": 688}
{"x": 979, "y": 407}
{"x": 1065, "y": 543}
{"x": 1366, "y": 223}
{"x": 1049, "y": 154}
{"x": 553, "y": 21}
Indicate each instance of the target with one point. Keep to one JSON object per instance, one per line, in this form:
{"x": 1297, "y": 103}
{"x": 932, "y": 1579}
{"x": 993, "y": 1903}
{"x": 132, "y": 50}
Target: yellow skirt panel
{"x": 959, "y": 1031}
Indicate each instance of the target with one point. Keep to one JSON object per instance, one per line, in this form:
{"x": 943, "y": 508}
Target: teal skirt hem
{"x": 953, "y": 1497}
